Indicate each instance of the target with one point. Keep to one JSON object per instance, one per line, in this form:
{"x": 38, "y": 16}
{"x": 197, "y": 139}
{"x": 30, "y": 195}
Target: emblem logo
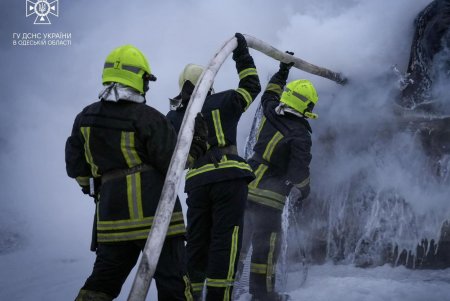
{"x": 42, "y": 8}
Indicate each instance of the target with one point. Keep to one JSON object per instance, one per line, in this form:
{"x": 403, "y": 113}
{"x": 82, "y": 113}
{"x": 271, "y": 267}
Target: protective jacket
{"x": 128, "y": 146}
{"x": 222, "y": 112}
{"x": 282, "y": 153}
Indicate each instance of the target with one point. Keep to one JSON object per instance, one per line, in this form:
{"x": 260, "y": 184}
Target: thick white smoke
{"x": 369, "y": 165}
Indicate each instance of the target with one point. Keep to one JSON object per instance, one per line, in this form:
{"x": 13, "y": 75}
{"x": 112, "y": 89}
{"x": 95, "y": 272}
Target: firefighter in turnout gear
{"x": 126, "y": 146}
{"x": 281, "y": 159}
{"x": 187, "y": 81}
{"x": 217, "y": 186}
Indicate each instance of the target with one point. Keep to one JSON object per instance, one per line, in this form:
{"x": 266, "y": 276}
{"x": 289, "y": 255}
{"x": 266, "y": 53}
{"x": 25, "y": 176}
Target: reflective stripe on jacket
{"x": 108, "y": 137}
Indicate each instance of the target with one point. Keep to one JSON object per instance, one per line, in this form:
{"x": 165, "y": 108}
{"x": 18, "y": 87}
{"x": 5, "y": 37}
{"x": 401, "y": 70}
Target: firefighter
{"x": 217, "y": 183}
{"x": 125, "y": 146}
{"x": 281, "y": 159}
{"x": 186, "y": 81}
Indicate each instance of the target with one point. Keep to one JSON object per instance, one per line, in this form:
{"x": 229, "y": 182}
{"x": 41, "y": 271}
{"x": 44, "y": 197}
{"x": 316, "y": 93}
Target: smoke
{"x": 371, "y": 167}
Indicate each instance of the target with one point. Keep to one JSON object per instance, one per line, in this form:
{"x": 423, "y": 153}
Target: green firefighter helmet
{"x": 301, "y": 96}
{"x": 190, "y": 73}
{"x": 128, "y": 66}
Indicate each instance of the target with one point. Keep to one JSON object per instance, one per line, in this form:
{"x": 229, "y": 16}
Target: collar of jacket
{"x": 176, "y": 103}
{"x": 116, "y": 91}
{"x": 282, "y": 108}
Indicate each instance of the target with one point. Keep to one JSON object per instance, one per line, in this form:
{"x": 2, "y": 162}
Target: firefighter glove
{"x": 241, "y": 48}
{"x": 285, "y": 67}
{"x": 298, "y": 197}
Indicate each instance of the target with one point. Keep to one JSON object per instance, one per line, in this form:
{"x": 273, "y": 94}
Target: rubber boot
{"x": 85, "y": 295}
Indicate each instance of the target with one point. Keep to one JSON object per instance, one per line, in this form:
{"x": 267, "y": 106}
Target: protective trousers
{"x": 214, "y": 233}
{"x": 264, "y": 227}
{"x": 115, "y": 261}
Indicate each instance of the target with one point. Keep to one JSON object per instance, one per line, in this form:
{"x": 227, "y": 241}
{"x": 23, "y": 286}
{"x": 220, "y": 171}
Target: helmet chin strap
{"x": 147, "y": 78}
{"x": 145, "y": 88}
